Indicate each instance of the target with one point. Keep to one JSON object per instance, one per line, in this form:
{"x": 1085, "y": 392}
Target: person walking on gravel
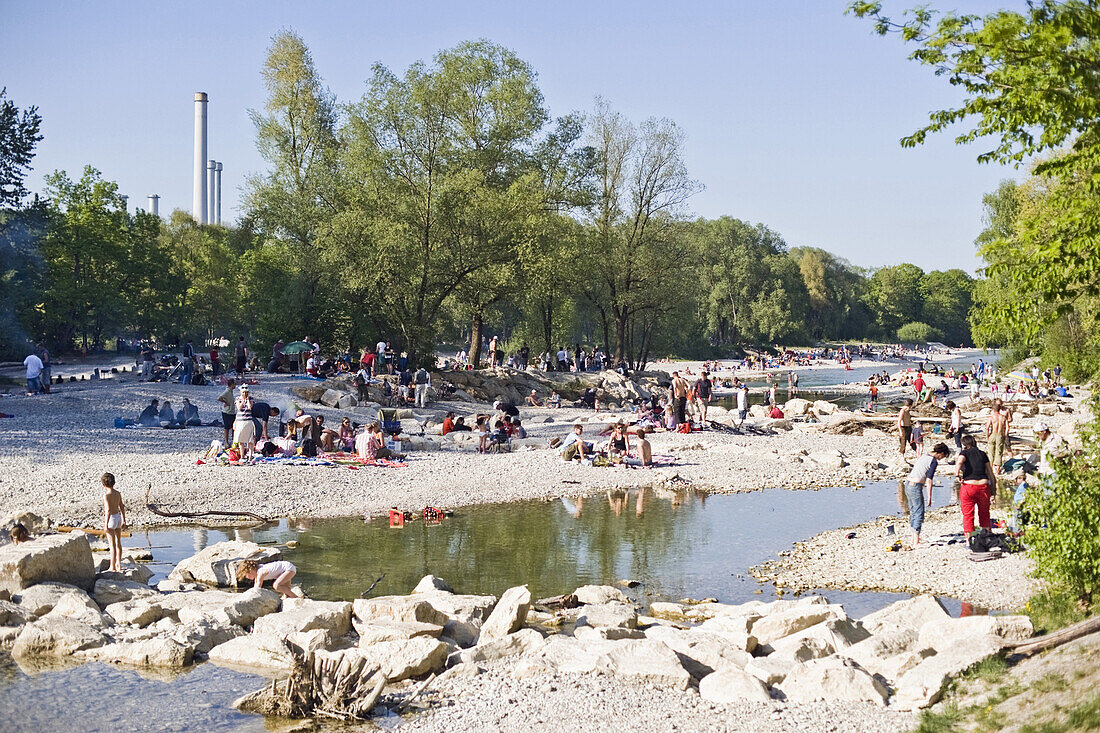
{"x": 905, "y": 426}
{"x": 996, "y": 434}
{"x": 975, "y": 472}
{"x": 680, "y": 390}
{"x": 923, "y": 473}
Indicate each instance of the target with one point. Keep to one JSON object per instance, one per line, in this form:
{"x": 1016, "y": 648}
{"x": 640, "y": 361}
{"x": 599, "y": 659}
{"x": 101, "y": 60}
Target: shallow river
{"x": 675, "y": 544}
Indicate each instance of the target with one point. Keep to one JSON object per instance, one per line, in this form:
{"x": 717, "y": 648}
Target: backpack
{"x": 421, "y": 376}
{"x": 984, "y": 540}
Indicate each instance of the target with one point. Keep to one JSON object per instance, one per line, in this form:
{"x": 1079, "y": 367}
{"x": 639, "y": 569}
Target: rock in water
{"x": 64, "y": 558}
{"x": 431, "y": 583}
{"x": 509, "y": 614}
{"x": 217, "y": 564}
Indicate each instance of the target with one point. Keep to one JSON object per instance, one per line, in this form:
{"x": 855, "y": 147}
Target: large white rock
{"x": 61, "y": 558}
{"x": 600, "y": 594}
{"x": 819, "y": 640}
{"x": 942, "y": 635}
{"x": 735, "y": 629}
{"x": 138, "y": 612}
{"x": 130, "y": 571}
{"x": 80, "y": 608}
{"x": 255, "y": 651}
{"x": 109, "y": 590}
{"x": 888, "y": 641}
{"x": 922, "y": 685}
{"x": 399, "y": 660}
{"x": 644, "y": 660}
{"x": 590, "y": 633}
{"x": 732, "y": 685}
{"x": 155, "y": 652}
{"x": 374, "y": 632}
{"x": 238, "y": 608}
{"x": 204, "y": 635}
{"x": 331, "y": 397}
{"x": 608, "y": 616}
{"x": 832, "y": 679}
{"x": 796, "y": 406}
{"x": 41, "y": 598}
{"x": 56, "y": 636}
{"x": 785, "y": 622}
{"x": 217, "y": 564}
{"x": 465, "y": 608}
{"x": 332, "y": 617}
{"x": 523, "y": 641}
{"x": 701, "y": 653}
{"x": 508, "y": 615}
{"x": 770, "y": 670}
{"x": 821, "y": 407}
{"x": 398, "y": 608}
{"x": 912, "y": 613}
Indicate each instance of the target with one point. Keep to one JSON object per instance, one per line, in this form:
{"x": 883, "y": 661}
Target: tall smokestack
{"x": 218, "y": 193}
{"x": 154, "y": 204}
{"x": 199, "y": 200}
{"x": 211, "y": 167}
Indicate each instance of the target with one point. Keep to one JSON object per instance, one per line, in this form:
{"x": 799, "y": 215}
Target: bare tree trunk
{"x": 476, "y": 323}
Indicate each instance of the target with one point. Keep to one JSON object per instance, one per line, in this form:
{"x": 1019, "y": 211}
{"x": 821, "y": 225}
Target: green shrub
{"x": 1064, "y": 540}
{"x": 918, "y": 333}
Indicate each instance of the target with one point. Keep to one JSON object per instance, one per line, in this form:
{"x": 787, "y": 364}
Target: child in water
{"x": 279, "y": 572}
{"x": 115, "y": 519}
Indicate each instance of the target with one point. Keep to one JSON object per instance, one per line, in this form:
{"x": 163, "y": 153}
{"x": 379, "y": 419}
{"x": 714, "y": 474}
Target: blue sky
{"x": 792, "y": 111}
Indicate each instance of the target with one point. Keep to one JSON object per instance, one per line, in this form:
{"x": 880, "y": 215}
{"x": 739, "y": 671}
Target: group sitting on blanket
{"x": 616, "y": 450}
{"x": 156, "y": 415}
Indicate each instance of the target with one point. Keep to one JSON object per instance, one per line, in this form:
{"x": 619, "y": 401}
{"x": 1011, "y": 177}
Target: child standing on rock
{"x": 115, "y": 519}
{"x": 280, "y": 572}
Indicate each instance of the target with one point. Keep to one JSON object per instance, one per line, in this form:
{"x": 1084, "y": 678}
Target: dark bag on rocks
{"x": 309, "y": 448}
{"x": 985, "y": 541}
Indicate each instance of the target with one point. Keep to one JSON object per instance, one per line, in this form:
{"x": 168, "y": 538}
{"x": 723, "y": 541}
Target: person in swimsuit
{"x": 974, "y": 469}
{"x": 115, "y": 520}
{"x": 618, "y": 445}
{"x": 279, "y": 572}
{"x": 905, "y": 426}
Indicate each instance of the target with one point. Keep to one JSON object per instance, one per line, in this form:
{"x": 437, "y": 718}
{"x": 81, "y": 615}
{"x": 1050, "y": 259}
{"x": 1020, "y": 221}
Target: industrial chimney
{"x": 199, "y": 200}
{"x": 218, "y": 193}
{"x": 154, "y": 204}
{"x": 211, "y": 167}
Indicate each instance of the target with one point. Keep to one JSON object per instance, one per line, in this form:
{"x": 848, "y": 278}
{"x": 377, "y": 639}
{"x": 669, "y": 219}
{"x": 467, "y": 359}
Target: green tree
{"x": 834, "y": 290}
{"x": 918, "y": 333}
{"x": 947, "y": 299}
{"x": 894, "y": 296}
{"x": 19, "y": 135}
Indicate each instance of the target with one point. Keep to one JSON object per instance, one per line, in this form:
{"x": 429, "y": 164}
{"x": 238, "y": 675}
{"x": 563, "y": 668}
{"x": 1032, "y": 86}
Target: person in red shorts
{"x": 974, "y": 470}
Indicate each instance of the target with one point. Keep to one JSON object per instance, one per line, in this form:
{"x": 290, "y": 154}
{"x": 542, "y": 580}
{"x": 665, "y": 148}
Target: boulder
{"x": 820, "y": 640}
{"x": 256, "y": 651}
{"x": 138, "y": 612}
{"x": 398, "y": 608}
{"x": 80, "y": 608}
{"x": 943, "y": 634}
{"x": 238, "y": 608}
{"x": 608, "y": 616}
{"x": 399, "y": 660}
{"x": 734, "y": 629}
{"x": 205, "y": 634}
{"x": 508, "y": 615}
{"x": 796, "y": 406}
{"x": 785, "y": 622}
{"x": 130, "y": 571}
{"x": 600, "y": 594}
{"x": 155, "y": 652}
{"x": 60, "y": 558}
{"x": 821, "y": 407}
{"x": 888, "y": 641}
{"x": 673, "y": 611}
{"x": 701, "y": 653}
{"x": 331, "y": 397}
{"x": 217, "y": 564}
{"x": 923, "y": 684}
{"x": 57, "y": 636}
{"x": 758, "y": 411}
{"x": 611, "y": 633}
{"x": 175, "y": 586}
{"x": 778, "y": 424}
{"x": 770, "y": 670}
{"x": 12, "y": 614}
{"x": 732, "y": 685}
{"x": 108, "y": 590}
{"x": 645, "y": 660}
{"x": 524, "y": 641}
{"x": 465, "y": 608}
{"x": 912, "y": 613}
{"x": 346, "y": 401}
{"x": 300, "y": 614}
{"x": 832, "y": 679}
{"x": 374, "y": 632}
{"x": 431, "y": 583}
{"x": 34, "y": 523}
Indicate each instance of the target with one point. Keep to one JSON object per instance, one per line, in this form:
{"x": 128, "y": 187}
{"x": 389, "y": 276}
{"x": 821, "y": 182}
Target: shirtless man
{"x": 996, "y": 434}
{"x": 680, "y": 389}
{"x": 905, "y": 426}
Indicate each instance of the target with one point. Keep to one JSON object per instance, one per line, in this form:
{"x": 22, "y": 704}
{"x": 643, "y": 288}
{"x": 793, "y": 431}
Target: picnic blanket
{"x": 353, "y": 460}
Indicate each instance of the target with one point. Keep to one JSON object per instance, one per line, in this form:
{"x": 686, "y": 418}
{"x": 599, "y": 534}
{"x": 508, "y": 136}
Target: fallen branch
{"x": 1037, "y": 644}
{"x": 198, "y": 515}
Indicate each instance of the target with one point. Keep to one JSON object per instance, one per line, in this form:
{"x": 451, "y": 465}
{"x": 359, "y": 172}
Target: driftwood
{"x": 331, "y": 688}
{"x": 89, "y": 530}
{"x": 1027, "y": 647}
{"x": 198, "y": 515}
{"x": 557, "y": 602}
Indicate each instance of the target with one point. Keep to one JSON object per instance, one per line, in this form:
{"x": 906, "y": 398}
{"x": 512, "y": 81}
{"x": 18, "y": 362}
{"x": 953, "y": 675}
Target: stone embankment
{"x": 772, "y": 657}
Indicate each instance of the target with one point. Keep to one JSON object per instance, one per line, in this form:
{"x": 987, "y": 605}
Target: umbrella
{"x": 1022, "y": 376}
{"x": 297, "y": 347}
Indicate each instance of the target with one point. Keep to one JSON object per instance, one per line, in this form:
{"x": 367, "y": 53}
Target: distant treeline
{"x": 444, "y": 206}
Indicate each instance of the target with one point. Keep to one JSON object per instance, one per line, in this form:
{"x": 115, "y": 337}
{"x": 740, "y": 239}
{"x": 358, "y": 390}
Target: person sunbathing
{"x": 533, "y": 400}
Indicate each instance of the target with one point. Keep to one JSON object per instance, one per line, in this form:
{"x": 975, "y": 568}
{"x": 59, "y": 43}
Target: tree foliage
{"x": 19, "y": 134}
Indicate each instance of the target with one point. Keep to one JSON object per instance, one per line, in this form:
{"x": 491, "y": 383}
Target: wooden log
{"x": 89, "y": 530}
{"x": 1037, "y": 644}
